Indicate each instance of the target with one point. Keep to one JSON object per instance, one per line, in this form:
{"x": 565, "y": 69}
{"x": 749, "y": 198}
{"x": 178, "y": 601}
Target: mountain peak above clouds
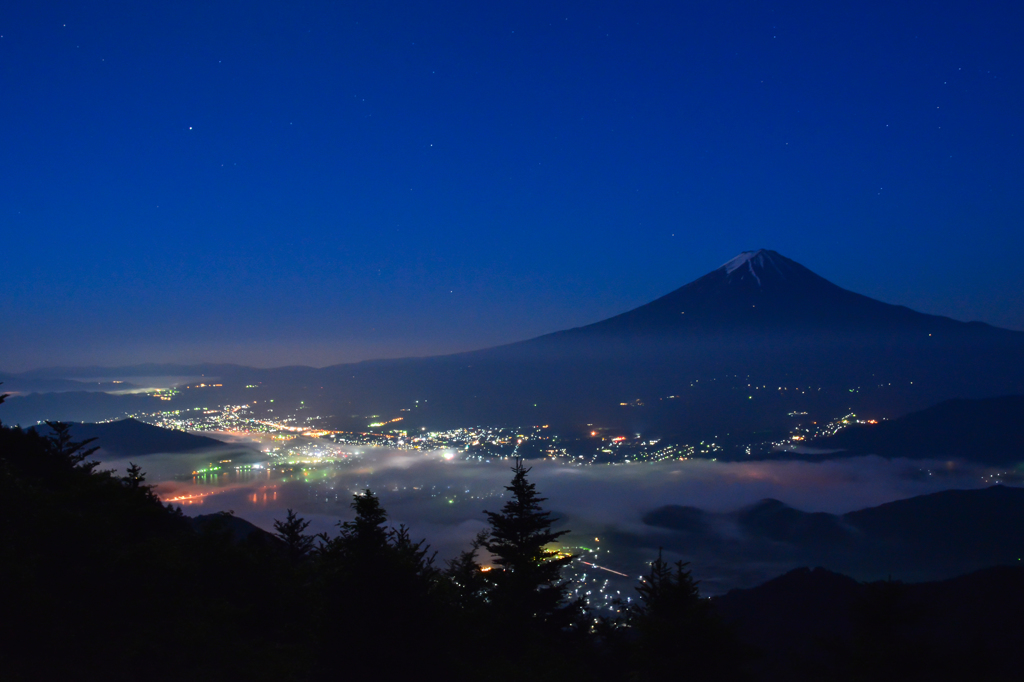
{"x": 756, "y": 290}
{"x": 751, "y": 260}
{"x": 760, "y": 267}
{"x": 762, "y": 291}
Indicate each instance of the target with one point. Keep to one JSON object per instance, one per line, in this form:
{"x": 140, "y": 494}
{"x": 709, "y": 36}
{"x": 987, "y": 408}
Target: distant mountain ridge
{"x": 151, "y": 369}
{"x": 21, "y": 383}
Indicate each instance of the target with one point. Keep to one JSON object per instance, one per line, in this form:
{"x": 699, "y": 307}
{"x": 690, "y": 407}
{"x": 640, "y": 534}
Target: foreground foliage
{"x": 103, "y": 581}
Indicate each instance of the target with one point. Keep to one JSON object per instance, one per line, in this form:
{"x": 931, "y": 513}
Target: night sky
{"x": 278, "y": 183}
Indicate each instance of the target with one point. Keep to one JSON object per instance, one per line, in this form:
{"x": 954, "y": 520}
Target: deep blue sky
{"x": 274, "y": 183}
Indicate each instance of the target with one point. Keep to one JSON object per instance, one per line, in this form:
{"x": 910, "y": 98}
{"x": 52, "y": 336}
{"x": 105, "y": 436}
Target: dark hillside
{"x": 819, "y": 625}
{"x": 986, "y": 430}
{"x": 132, "y": 438}
{"x": 947, "y": 529}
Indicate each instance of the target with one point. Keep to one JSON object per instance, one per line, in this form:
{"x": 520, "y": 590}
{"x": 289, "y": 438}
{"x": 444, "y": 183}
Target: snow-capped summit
{"x": 742, "y": 259}
{"x": 755, "y": 262}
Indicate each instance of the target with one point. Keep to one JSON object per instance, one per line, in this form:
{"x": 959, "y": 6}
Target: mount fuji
{"x": 763, "y": 291}
{"x": 740, "y": 349}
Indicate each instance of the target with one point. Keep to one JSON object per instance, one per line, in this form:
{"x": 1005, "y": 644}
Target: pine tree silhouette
{"x": 677, "y": 630}
{"x": 386, "y": 581}
{"x": 527, "y": 585}
{"x": 366, "y": 533}
{"x": 62, "y": 447}
{"x": 665, "y": 593}
{"x": 290, "y": 531}
{"x": 466, "y": 579}
{"x": 134, "y": 476}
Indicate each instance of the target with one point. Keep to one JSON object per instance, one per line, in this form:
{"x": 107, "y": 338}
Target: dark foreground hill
{"x": 987, "y": 431}
{"x": 927, "y": 537}
{"x": 132, "y": 438}
{"x": 104, "y": 582}
{"x": 822, "y": 625}
{"x": 238, "y": 531}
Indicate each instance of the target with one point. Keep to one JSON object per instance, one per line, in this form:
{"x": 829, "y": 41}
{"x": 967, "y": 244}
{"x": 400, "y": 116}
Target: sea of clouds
{"x": 442, "y": 497}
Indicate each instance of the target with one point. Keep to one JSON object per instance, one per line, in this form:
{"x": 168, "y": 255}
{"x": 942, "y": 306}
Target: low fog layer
{"x": 442, "y": 498}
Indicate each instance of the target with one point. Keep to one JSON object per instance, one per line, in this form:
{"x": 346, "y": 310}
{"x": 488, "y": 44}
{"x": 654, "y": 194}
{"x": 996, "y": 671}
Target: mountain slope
{"x": 986, "y": 431}
{"x": 763, "y": 290}
{"x": 823, "y": 625}
{"x": 132, "y": 438}
{"x": 746, "y": 344}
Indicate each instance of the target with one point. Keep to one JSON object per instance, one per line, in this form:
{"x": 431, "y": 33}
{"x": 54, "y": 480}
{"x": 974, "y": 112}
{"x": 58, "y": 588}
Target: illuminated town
{"x": 299, "y": 437}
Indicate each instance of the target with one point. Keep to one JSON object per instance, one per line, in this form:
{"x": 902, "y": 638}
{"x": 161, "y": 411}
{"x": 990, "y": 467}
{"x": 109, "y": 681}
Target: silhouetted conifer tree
{"x": 665, "y": 593}
{"x": 466, "y": 579}
{"x": 676, "y": 630}
{"x": 61, "y": 445}
{"x": 527, "y": 585}
{"x": 290, "y": 531}
{"x": 366, "y": 533}
{"x": 134, "y": 476}
{"x": 385, "y": 582}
